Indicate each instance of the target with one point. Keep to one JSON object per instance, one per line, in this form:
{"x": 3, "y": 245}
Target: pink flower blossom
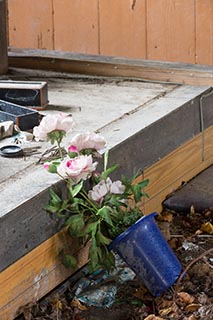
{"x": 72, "y": 149}
{"x": 46, "y": 165}
{"x": 78, "y": 168}
{"x": 50, "y": 123}
{"x": 105, "y": 186}
{"x": 88, "y": 140}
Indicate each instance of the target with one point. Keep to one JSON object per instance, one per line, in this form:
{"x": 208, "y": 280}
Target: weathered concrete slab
{"x": 197, "y": 193}
{"x": 142, "y": 123}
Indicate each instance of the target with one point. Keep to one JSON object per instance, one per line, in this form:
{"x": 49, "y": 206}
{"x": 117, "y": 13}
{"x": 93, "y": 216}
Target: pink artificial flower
{"x": 72, "y": 149}
{"x": 78, "y": 168}
{"x": 105, "y": 186}
{"x": 46, "y": 165}
{"x": 117, "y": 187}
{"x": 50, "y": 123}
{"x": 88, "y": 140}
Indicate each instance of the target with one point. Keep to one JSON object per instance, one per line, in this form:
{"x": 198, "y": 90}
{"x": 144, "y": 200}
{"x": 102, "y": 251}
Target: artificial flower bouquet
{"x": 93, "y": 208}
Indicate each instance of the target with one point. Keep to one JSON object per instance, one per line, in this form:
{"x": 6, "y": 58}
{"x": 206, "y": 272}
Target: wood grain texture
{"x": 179, "y": 166}
{"x": 171, "y": 30}
{"x": 36, "y": 274}
{"x": 204, "y": 31}
{"x": 123, "y": 28}
{"x": 31, "y": 24}
{"x": 181, "y": 73}
{"x": 175, "y": 30}
{"x": 76, "y": 26}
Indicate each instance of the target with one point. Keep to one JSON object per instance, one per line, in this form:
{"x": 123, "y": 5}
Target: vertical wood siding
{"x": 123, "y": 28}
{"x": 172, "y": 30}
{"x": 76, "y": 25}
{"x": 204, "y": 31}
{"x": 31, "y": 24}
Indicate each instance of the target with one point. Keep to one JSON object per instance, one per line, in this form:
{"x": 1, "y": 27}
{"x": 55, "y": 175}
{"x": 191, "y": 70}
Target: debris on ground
{"x": 191, "y": 298}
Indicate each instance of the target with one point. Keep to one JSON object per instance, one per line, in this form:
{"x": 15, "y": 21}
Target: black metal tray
{"x": 24, "y": 118}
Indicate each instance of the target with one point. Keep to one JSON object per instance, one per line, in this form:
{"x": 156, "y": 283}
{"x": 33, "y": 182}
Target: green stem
{"x": 84, "y": 195}
{"x": 59, "y": 148}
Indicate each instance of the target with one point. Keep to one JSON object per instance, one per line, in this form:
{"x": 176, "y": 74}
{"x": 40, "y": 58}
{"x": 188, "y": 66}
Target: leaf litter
{"x": 191, "y": 298}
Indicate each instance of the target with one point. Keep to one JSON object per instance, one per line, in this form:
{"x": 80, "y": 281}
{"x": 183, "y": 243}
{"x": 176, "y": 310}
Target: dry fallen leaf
{"x": 192, "y": 209}
{"x": 77, "y": 304}
{"x": 140, "y": 292}
{"x": 192, "y": 317}
{"x": 166, "y": 312}
{"x": 57, "y": 303}
{"x": 185, "y": 298}
{"x": 166, "y": 216}
{"x": 192, "y": 307}
{"x": 207, "y": 227}
{"x": 153, "y": 317}
{"x": 198, "y": 232}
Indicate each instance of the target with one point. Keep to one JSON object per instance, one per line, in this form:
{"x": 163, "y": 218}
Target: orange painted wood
{"x": 171, "y": 30}
{"x": 30, "y": 24}
{"x": 76, "y": 26}
{"x": 166, "y": 30}
{"x": 36, "y": 274}
{"x": 123, "y": 28}
{"x": 204, "y": 31}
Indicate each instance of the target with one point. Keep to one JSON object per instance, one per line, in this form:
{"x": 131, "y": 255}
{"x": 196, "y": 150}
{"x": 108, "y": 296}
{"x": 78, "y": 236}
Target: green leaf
{"x": 54, "y": 197}
{"x": 72, "y": 154}
{"x": 90, "y": 228}
{"x": 104, "y": 212}
{"x": 137, "y": 192}
{"x": 108, "y": 171}
{"x": 76, "y": 189}
{"x": 76, "y": 223}
{"x": 69, "y": 261}
{"x": 144, "y": 194}
{"x": 53, "y": 208}
{"x": 56, "y": 136}
{"x": 53, "y": 168}
{"x": 101, "y": 239}
{"x": 109, "y": 259}
{"x": 93, "y": 255}
{"x": 143, "y": 183}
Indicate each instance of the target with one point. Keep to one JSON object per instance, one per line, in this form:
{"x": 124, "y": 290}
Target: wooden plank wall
{"x": 171, "y": 30}
{"x": 3, "y": 39}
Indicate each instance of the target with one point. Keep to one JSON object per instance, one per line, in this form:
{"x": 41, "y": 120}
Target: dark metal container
{"x": 24, "y": 118}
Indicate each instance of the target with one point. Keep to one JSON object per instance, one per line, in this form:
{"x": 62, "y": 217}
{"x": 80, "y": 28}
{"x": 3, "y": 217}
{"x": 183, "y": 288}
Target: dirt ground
{"x": 191, "y": 298}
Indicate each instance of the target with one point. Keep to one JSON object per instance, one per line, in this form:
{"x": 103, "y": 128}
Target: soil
{"x": 191, "y": 298}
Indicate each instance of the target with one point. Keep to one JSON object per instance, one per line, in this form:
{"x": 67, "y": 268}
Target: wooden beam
{"x": 3, "y": 37}
{"x": 155, "y": 71}
{"x": 36, "y": 274}
{"x": 177, "y": 167}
{"x": 41, "y": 270}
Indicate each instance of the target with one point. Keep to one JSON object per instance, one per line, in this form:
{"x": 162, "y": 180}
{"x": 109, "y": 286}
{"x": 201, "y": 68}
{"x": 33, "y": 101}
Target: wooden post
{"x": 3, "y": 38}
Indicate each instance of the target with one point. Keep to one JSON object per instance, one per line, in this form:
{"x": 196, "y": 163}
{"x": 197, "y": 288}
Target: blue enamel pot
{"x": 145, "y": 250}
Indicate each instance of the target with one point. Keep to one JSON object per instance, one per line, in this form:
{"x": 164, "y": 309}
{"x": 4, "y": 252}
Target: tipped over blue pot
{"x": 145, "y": 250}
